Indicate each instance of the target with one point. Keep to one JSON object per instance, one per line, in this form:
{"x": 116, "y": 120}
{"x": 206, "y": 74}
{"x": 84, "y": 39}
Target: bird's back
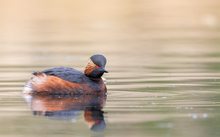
{"x": 66, "y": 73}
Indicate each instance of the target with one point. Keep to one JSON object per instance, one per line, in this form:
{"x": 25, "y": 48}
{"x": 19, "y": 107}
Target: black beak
{"x": 105, "y": 71}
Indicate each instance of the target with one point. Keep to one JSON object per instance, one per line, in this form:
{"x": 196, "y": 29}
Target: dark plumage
{"x": 66, "y": 73}
{"x": 99, "y": 60}
{"x": 65, "y": 80}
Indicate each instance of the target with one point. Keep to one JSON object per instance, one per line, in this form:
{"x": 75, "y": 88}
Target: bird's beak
{"x": 105, "y": 71}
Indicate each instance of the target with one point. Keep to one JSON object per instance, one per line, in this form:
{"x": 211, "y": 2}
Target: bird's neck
{"x": 89, "y": 68}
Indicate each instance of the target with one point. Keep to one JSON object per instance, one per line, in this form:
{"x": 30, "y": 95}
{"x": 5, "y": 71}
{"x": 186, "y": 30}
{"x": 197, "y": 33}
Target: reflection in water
{"x": 164, "y": 59}
{"x": 69, "y": 108}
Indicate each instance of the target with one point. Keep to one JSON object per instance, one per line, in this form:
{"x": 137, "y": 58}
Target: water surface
{"x": 163, "y": 59}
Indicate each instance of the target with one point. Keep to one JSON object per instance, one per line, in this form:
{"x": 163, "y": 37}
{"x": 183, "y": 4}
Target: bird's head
{"x": 96, "y": 66}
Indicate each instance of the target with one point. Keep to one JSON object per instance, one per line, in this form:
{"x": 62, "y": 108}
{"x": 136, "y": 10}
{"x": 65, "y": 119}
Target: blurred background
{"x": 163, "y": 57}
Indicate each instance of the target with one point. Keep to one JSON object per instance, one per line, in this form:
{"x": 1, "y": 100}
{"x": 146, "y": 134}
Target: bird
{"x": 69, "y": 81}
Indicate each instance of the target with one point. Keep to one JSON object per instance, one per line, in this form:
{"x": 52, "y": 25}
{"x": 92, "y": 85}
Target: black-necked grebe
{"x": 64, "y": 80}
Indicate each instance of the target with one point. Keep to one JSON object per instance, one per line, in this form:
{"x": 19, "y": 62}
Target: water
{"x": 163, "y": 59}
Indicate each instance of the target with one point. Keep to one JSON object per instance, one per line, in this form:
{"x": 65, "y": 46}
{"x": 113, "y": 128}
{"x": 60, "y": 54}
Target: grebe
{"x": 69, "y": 81}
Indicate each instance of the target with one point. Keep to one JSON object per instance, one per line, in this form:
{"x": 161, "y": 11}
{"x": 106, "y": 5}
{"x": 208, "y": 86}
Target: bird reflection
{"x": 69, "y": 108}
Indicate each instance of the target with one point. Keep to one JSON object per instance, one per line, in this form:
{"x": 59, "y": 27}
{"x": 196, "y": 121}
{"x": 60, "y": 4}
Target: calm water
{"x": 163, "y": 59}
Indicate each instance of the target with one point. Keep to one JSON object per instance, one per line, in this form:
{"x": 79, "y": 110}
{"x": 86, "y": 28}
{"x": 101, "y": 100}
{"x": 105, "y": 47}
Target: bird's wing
{"x": 66, "y": 73}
